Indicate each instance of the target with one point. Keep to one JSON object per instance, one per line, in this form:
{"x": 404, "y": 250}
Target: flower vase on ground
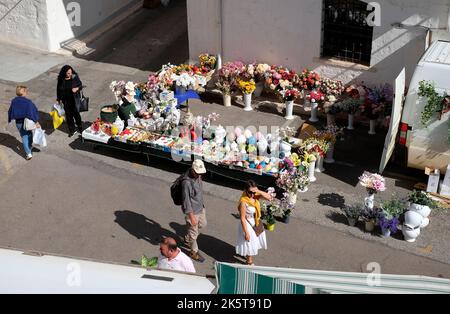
{"x": 351, "y": 222}
{"x": 289, "y": 110}
{"x": 370, "y": 225}
{"x": 373, "y": 125}
{"x": 330, "y": 155}
{"x": 386, "y": 232}
{"x": 227, "y": 100}
{"x": 369, "y": 201}
{"x": 319, "y": 164}
{"x": 259, "y": 89}
{"x": 248, "y": 102}
{"x": 286, "y": 218}
{"x": 311, "y": 172}
{"x": 351, "y": 119}
{"x": 331, "y": 119}
{"x": 270, "y": 227}
{"x": 314, "y": 111}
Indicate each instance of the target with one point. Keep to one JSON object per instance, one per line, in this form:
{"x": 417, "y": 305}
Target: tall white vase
{"x": 289, "y": 110}
{"x": 373, "y": 124}
{"x": 292, "y": 198}
{"x": 259, "y": 89}
{"x": 227, "y": 100}
{"x": 311, "y": 172}
{"x": 351, "y": 119}
{"x": 369, "y": 201}
{"x": 285, "y": 148}
{"x": 319, "y": 164}
{"x": 248, "y": 102}
{"x": 330, "y": 155}
{"x": 314, "y": 111}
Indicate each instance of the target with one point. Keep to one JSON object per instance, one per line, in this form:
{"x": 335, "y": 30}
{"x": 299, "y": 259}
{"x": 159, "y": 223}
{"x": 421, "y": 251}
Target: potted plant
{"x": 421, "y": 203}
{"x": 353, "y": 212}
{"x": 269, "y": 210}
{"x": 369, "y": 215}
{"x": 388, "y": 218}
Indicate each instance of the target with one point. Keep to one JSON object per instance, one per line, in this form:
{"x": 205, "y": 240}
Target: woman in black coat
{"x": 68, "y": 89}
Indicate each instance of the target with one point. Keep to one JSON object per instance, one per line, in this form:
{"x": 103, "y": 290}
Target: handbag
{"x": 258, "y": 228}
{"x": 82, "y": 102}
{"x": 29, "y": 125}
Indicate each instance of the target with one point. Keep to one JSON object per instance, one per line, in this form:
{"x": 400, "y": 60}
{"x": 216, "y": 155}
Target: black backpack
{"x": 176, "y": 192}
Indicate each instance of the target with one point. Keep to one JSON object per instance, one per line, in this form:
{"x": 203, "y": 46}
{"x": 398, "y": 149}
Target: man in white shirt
{"x": 172, "y": 258}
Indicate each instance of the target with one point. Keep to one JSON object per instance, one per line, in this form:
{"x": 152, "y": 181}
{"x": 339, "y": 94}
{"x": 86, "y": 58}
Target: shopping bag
{"x": 39, "y": 138}
{"x": 57, "y": 119}
{"x": 29, "y": 125}
{"x": 81, "y": 102}
{"x": 60, "y": 109}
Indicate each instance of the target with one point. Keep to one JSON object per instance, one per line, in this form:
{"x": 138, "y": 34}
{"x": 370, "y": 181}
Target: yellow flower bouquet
{"x": 246, "y": 87}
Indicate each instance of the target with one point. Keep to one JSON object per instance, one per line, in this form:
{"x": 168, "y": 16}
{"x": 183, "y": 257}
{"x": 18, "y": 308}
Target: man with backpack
{"x": 187, "y": 192}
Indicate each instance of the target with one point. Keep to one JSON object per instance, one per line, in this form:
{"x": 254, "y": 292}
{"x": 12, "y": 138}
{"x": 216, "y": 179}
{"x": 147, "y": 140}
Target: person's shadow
{"x": 12, "y": 143}
{"x": 142, "y": 227}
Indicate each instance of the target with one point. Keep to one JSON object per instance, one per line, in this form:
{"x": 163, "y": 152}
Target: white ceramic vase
{"x": 413, "y": 219}
{"x": 351, "y": 119}
{"x": 314, "y": 111}
{"x": 410, "y": 233}
{"x": 292, "y": 198}
{"x": 369, "y": 201}
{"x": 319, "y": 164}
{"x": 285, "y": 148}
{"x": 386, "y": 232}
{"x": 248, "y": 102}
{"x": 227, "y": 100}
{"x": 424, "y": 211}
{"x": 330, "y": 155}
{"x": 311, "y": 172}
{"x": 289, "y": 110}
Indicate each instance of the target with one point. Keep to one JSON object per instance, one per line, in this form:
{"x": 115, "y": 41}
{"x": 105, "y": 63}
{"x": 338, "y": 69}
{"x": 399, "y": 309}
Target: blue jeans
{"x": 27, "y": 138}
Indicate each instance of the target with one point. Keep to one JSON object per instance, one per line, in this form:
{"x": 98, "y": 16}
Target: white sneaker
{"x": 29, "y": 157}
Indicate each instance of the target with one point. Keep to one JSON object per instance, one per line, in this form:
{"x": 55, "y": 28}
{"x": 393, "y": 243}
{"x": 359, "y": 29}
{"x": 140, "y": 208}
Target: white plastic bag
{"x": 59, "y": 109}
{"x": 39, "y": 138}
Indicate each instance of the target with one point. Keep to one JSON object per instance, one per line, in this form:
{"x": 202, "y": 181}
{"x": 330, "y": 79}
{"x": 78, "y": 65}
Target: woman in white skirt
{"x": 248, "y": 242}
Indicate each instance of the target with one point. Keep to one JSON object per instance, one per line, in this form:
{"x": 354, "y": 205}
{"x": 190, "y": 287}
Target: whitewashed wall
{"x": 44, "y": 24}
{"x": 288, "y": 32}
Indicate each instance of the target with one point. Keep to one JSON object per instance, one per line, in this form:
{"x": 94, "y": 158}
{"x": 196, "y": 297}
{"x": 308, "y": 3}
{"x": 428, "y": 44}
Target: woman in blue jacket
{"x": 22, "y": 108}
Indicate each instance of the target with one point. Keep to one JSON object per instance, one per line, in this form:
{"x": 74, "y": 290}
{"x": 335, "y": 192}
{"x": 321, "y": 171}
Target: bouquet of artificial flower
{"x": 316, "y": 145}
{"x": 388, "y": 223}
{"x": 185, "y": 80}
{"x": 309, "y": 80}
{"x": 153, "y": 84}
{"x": 349, "y": 105}
{"x": 289, "y": 93}
{"x": 285, "y": 133}
{"x": 292, "y": 181}
{"x": 278, "y": 78}
{"x": 377, "y": 98}
{"x": 372, "y": 182}
{"x": 207, "y": 62}
{"x": 332, "y": 89}
{"x": 261, "y": 70}
{"x": 315, "y": 96}
{"x": 246, "y": 87}
{"x": 228, "y": 75}
{"x": 329, "y": 134}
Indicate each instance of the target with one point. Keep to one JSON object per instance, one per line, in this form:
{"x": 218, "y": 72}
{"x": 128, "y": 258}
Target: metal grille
{"x": 346, "y": 34}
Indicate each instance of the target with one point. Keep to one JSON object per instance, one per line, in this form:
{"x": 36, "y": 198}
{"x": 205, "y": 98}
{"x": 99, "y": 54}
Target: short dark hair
{"x": 250, "y": 184}
{"x": 171, "y": 243}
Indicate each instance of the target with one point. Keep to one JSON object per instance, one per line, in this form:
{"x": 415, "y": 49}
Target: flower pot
{"x": 351, "y": 119}
{"x": 259, "y": 89}
{"x": 286, "y": 219}
{"x": 370, "y": 225}
{"x": 425, "y": 223}
{"x": 292, "y": 198}
{"x": 289, "y": 110}
{"x": 331, "y": 119}
{"x": 248, "y": 102}
{"x": 425, "y": 211}
{"x": 351, "y": 222}
{"x": 311, "y": 172}
{"x": 319, "y": 164}
{"x": 413, "y": 219}
{"x": 373, "y": 125}
{"x": 314, "y": 111}
{"x": 109, "y": 113}
{"x": 386, "y": 232}
{"x": 270, "y": 227}
{"x": 285, "y": 148}
{"x": 369, "y": 201}
{"x": 410, "y": 233}
{"x": 330, "y": 155}
{"x": 227, "y": 100}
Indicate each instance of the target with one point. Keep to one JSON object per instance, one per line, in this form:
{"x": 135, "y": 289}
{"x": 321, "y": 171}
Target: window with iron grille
{"x": 346, "y": 34}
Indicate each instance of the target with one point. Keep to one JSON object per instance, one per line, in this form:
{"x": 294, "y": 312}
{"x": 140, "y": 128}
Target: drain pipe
{"x": 220, "y": 24}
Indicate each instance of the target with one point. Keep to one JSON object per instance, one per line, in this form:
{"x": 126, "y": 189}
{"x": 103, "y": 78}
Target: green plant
{"x": 435, "y": 102}
{"x": 353, "y": 211}
{"x": 393, "y": 208}
{"x": 149, "y": 262}
{"x": 422, "y": 198}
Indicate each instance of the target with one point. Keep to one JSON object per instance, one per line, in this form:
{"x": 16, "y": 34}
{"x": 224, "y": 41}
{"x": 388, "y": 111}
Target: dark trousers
{"x": 72, "y": 116}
